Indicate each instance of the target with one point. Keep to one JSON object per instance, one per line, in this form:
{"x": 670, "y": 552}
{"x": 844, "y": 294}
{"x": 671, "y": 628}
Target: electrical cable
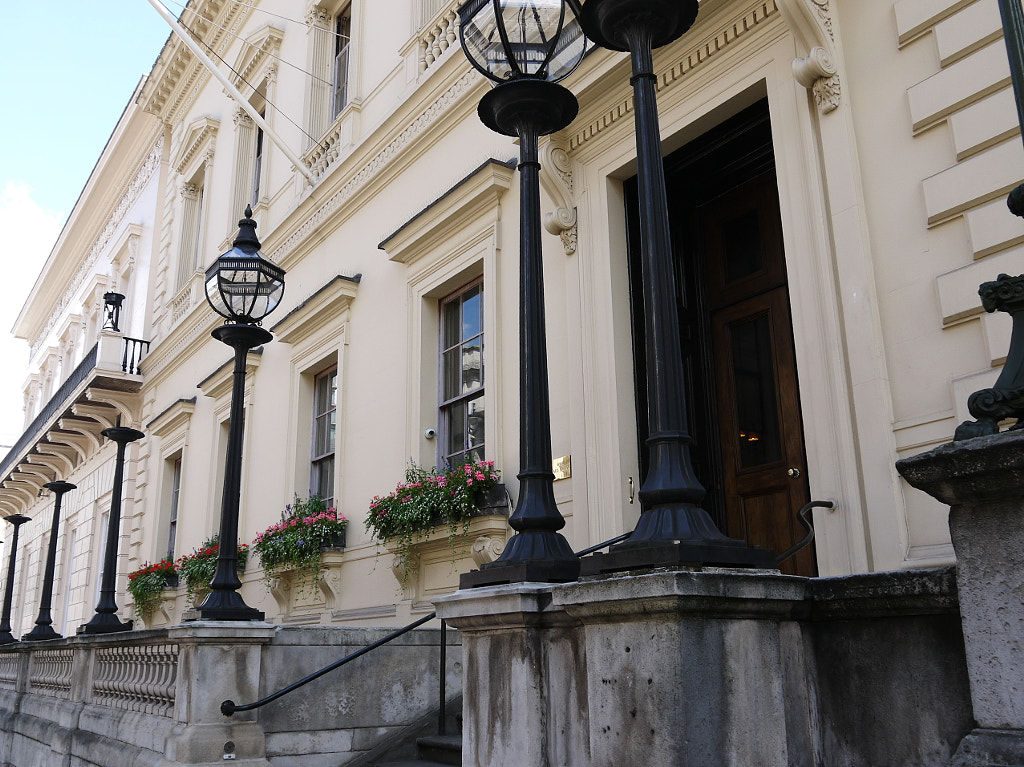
{"x": 241, "y": 77}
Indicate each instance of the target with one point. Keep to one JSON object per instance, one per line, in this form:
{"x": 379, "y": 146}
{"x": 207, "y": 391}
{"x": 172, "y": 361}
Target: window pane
{"x": 471, "y": 313}
{"x": 450, "y": 332}
{"x": 475, "y": 422}
{"x": 451, "y": 374}
{"x": 472, "y": 367}
{"x": 456, "y": 428}
{"x": 756, "y": 400}
{"x": 741, "y": 237}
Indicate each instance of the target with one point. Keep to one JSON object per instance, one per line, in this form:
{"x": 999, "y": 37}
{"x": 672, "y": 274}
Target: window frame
{"x": 448, "y": 404}
{"x": 322, "y": 465}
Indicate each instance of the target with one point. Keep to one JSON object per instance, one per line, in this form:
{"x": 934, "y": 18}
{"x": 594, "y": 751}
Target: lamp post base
{"x": 222, "y": 605}
{"x": 7, "y": 638}
{"x": 105, "y": 623}
{"x": 654, "y": 554}
{"x": 40, "y": 634}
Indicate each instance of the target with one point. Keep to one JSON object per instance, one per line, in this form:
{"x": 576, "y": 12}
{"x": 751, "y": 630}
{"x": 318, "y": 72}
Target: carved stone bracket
{"x": 811, "y": 22}
{"x": 1006, "y": 398}
{"x": 486, "y": 548}
{"x": 556, "y": 177}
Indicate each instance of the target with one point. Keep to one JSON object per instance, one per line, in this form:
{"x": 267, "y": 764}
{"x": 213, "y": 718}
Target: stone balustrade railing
{"x": 136, "y": 677}
{"x": 438, "y": 36}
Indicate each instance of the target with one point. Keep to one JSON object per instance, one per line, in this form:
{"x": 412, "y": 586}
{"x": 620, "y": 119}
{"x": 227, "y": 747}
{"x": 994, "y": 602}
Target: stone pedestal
{"x": 662, "y": 669}
{"x": 218, "y": 660}
{"x": 982, "y": 480}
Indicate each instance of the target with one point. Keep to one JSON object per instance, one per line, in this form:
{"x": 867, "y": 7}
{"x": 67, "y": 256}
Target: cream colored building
{"x": 839, "y": 167}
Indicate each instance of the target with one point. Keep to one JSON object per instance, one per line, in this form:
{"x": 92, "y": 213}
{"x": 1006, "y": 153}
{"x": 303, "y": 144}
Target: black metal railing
{"x": 229, "y": 707}
{"x": 55, "y": 404}
{"x": 131, "y": 356}
{"x": 804, "y": 518}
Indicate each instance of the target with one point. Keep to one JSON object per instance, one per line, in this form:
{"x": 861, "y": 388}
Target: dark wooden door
{"x": 756, "y": 397}
{"x": 743, "y": 403}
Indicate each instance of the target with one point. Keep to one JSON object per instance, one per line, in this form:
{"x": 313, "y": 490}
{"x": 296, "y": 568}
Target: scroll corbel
{"x": 811, "y": 23}
{"x": 556, "y": 177}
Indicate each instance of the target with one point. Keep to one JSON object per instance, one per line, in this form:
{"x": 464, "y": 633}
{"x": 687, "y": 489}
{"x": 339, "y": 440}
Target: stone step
{"x": 443, "y": 749}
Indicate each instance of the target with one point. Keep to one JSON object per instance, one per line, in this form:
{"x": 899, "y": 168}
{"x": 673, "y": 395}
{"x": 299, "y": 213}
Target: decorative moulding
{"x": 692, "y": 58}
{"x": 173, "y": 418}
{"x": 328, "y": 305}
{"x": 218, "y": 384}
{"x": 463, "y": 204}
{"x": 556, "y": 178}
{"x": 811, "y": 22}
{"x": 198, "y": 136}
{"x": 257, "y": 49}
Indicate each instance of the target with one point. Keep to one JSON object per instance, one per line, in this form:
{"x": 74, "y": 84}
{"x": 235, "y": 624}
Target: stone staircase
{"x": 433, "y": 751}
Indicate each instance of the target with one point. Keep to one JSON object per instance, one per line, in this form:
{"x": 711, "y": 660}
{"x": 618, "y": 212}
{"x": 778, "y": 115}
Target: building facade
{"x": 836, "y": 177}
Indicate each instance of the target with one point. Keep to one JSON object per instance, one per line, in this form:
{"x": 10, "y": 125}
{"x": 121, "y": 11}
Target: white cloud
{"x": 29, "y": 233}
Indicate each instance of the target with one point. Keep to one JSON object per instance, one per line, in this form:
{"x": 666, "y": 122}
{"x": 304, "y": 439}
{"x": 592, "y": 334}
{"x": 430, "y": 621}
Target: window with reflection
{"x": 325, "y": 425}
{"x": 462, "y": 375}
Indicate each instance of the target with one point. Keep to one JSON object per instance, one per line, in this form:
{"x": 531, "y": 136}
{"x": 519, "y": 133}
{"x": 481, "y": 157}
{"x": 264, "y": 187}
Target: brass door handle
{"x": 794, "y": 473}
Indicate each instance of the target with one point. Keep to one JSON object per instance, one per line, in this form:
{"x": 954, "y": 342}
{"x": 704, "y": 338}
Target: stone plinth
{"x": 982, "y": 481}
{"x": 660, "y": 669}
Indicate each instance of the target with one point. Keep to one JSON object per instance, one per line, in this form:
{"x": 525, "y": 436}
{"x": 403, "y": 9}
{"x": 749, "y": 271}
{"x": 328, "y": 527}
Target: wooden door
{"x": 760, "y": 430}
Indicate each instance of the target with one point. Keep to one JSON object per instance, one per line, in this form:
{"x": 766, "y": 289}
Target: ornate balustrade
{"x": 136, "y": 677}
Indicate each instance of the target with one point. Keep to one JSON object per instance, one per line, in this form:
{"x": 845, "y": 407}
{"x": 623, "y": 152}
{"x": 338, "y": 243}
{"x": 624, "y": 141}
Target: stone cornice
{"x": 466, "y": 201}
{"x": 257, "y": 49}
{"x": 199, "y": 135}
{"x": 135, "y": 185}
{"x": 690, "y": 58}
{"x": 374, "y": 164}
{"x": 177, "y": 76}
{"x": 328, "y": 305}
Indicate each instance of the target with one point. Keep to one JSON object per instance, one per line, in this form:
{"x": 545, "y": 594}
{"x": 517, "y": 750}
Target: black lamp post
{"x": 5, "y": 618}
{"x": 525, "y": 46}
{"x": 673, "y": 528}
{"x": 105, "y": 621}
{"x": 243, "y": 287}
{"x": 43, "y": 628}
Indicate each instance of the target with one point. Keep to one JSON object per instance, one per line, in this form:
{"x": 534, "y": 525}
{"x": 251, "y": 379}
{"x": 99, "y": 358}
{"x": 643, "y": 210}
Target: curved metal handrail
{"x": 229, "y": 707}
{"x": 803, "y": 516}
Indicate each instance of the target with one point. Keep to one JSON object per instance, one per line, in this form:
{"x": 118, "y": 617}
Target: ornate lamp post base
{"x": 225, "y": 606}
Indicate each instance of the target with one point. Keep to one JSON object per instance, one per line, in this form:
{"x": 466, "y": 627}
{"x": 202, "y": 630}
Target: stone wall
{"x": 714, "y": 668}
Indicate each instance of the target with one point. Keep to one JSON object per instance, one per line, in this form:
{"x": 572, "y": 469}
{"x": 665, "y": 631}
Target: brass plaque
{"x": 562, "y": 467}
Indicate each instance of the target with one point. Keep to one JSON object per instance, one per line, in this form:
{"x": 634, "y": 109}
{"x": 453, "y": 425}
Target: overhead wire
{"x": 199, "y": 39}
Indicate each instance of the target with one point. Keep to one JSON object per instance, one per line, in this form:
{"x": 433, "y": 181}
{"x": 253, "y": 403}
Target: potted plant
{"x": 196, "y": 569}
{"x": 429, "y": 498}
{"x": 307, "y": 528}
{"x": 147, "y": 584}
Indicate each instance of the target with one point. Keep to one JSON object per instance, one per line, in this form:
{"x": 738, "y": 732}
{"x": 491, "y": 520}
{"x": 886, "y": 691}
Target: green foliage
{"x": 196, "y": 569}
{"x": 425, "y": 500}
{"x": 297, "y": 541}
{"x": 147, "y": 584}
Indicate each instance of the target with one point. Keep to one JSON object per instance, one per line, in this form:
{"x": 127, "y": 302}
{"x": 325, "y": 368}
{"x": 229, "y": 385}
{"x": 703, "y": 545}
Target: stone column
{"x": 982, "y": 481}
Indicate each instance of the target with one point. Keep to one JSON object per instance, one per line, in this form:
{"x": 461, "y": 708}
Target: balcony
{"x": 101, "y": 392}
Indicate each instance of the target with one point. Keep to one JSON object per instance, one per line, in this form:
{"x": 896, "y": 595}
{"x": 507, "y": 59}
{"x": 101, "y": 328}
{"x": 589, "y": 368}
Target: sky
{"x": 67, "y": 71}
